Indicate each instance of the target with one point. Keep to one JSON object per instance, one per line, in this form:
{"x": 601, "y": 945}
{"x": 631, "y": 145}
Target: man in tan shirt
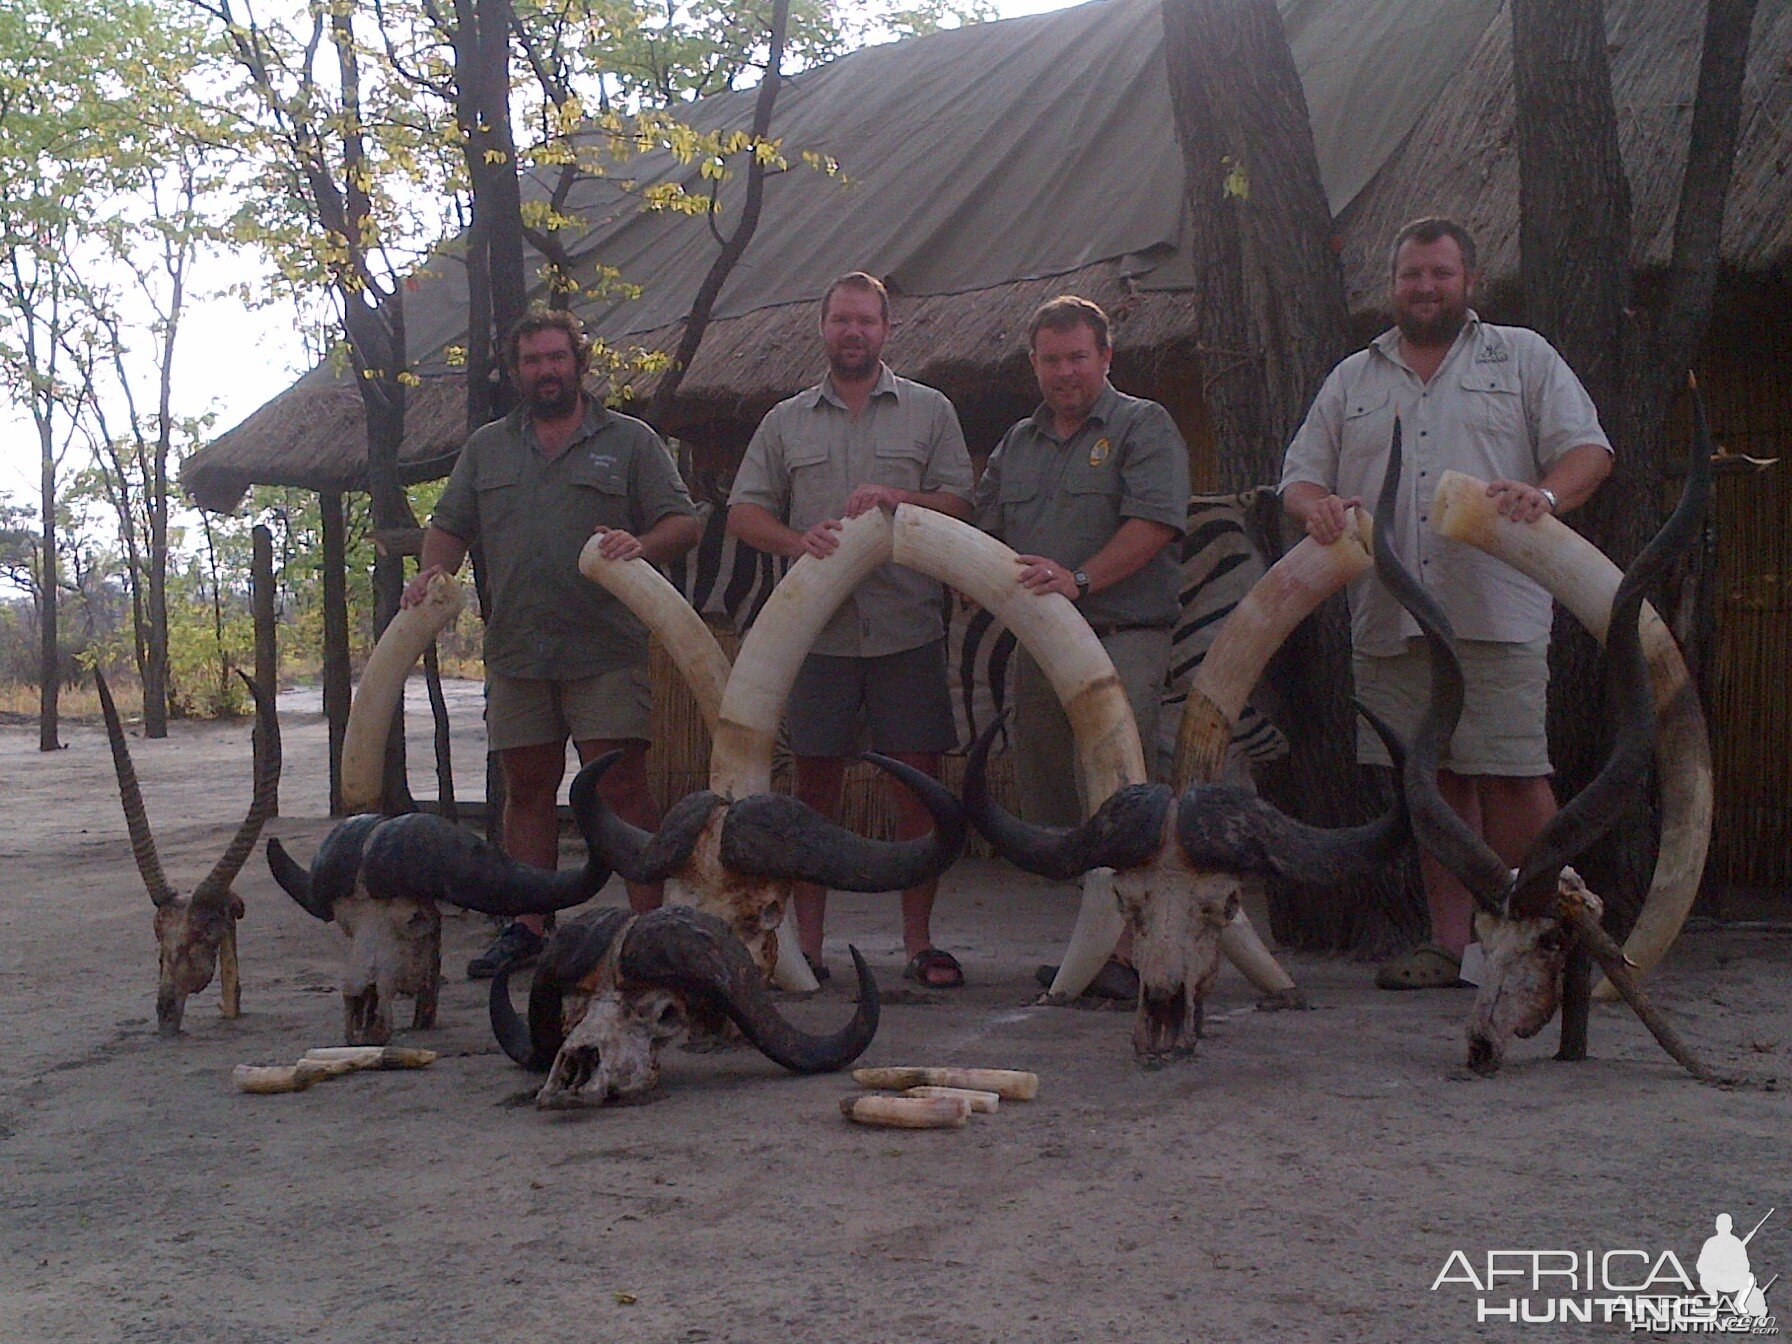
{"x": 862, "y": 439}
{"x": 1499, "y": 403}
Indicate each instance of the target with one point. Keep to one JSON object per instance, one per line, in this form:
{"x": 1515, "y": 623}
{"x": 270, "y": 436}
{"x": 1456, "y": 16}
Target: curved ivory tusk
{"x": 406, "y": 636}
{"x": 662, "y": 609}
{"x": 1072, "y": 658}
{"x": 1285, "y": 596}
{"x": 1583, "y": 580}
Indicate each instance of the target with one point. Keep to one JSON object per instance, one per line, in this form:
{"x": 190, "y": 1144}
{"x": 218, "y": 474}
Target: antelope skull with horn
{"x": 195, "y": 935}
{"x": 611, "y": 990}
{"x": 381, "y": 880}
{"x": 1529, "y": 918}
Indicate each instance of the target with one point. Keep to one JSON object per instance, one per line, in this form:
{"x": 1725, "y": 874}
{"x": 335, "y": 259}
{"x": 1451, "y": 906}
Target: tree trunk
{"x": 337, "y": 692}
{"x": 1271, "y": 322}
{"x": 267, "y": 654}
{"x": 48, "y": 665}
{"x": 1575, "y": 253}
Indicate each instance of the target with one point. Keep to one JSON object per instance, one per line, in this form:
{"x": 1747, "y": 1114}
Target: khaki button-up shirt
{"x": 1066, "y": 498}
{"x": 810, "y": 453}
{"x": 1502, "y": 405}
{"x": 534, "y": 515}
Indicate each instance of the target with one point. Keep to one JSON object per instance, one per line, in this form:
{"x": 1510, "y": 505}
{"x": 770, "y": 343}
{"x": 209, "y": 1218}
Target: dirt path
{"x": 1306, "y": 1178}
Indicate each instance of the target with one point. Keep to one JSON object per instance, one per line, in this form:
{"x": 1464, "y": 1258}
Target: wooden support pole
{"x": 438, "y": 707}
{"x": 261, "y": 595}
{"x": 337, "y": 689}
{"x": 1577, "y": 1001}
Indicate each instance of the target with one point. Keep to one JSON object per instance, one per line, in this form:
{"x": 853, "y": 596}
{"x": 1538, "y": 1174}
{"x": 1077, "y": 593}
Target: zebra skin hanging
{"x": 1229, "y": 543}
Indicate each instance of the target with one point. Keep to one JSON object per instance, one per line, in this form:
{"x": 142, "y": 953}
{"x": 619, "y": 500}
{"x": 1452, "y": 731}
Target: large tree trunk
{"x": 1575, "y": 255}
{"x": 48, "y": 665}
{"x": 337, "y": 690}
{"x": 1271, "y": 322}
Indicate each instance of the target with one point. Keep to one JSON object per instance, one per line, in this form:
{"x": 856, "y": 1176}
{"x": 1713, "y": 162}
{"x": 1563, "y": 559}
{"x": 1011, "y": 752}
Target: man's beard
{"x": 563, "y": 401}
{"x": 852, "y": 365}
{"x": 1436, "y": 331}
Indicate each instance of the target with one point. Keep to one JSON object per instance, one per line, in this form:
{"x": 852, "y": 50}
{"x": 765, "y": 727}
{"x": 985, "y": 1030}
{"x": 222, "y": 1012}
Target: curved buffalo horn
{"x": 1435, "y": 825}
{"x": 335, "y": 868}
{"x": 774, "y": 835}
{"x": 214, "y": 888}
{"x": 130, "y": 793}
{"x": 1124, "y": 832}
{"x": 573, "y": 954}
{"x": 640, "y": 856}
{"x": 699, "y": 956}
{"x": 1628, "y": 699}
{"x": 1228, "y": 829}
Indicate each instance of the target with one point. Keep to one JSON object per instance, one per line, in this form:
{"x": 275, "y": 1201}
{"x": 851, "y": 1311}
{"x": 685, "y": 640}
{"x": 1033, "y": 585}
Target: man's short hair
{"x": 1066, "y": 313}
{"x": 863, "y": 284}
{"x": 538, "y": 320}
{"x": 1428, "y": 230}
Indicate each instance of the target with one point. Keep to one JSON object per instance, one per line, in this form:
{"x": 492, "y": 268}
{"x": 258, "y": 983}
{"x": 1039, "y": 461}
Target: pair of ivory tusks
{"x": 1010, "y": 1084}
{"x": 327, "y": 1062}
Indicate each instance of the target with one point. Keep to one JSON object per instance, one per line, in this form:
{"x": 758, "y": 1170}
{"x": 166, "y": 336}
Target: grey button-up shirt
{"x": 1502, "y": 405}
{"x": 1066, "y": 498}
{"x": 534, "y": 515}
{"x": 810, "y": 453}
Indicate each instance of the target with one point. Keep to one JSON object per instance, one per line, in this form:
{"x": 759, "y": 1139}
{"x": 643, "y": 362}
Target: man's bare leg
{"x": 531, "y": 829}
{"x": 912, "y": 821}
{"x": 1514, "y": 811}
{"x": 624, "y": 789}
{"x": 1450, "y": 905}
{"x": 818, "y": 783}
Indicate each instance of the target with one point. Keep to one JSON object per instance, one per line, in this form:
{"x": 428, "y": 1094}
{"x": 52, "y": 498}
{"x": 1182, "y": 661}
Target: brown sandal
{"x": 932, "y": 961}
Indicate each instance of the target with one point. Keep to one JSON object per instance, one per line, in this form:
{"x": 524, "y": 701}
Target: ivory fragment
{"x": 373, "y": 1056}
{"x": 1010, "y": 1084}
{"x": 981, "y": 1103}
{"x": 285, "y": 1078}
{"x": 907, "y": 1112}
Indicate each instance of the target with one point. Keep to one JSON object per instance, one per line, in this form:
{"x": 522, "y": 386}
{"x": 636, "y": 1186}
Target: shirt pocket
{"x": 1493, "y": 412}
{"x": 600, "y": 494}
{"x": 1090, "y": 504}
{"x": 496, "y": 486}
{"x": 901, "y": 463}
{"x": 1368, "y": 427}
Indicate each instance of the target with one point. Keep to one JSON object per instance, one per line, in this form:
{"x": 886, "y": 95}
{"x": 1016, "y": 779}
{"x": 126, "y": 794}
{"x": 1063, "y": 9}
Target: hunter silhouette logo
{"x": 1646, "y": 1290}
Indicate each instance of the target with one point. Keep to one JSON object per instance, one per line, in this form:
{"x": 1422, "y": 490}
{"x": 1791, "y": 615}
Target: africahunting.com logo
{"x": 1646, "y": 1290}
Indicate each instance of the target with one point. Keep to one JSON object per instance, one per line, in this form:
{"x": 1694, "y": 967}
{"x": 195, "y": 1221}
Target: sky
{"x": 231, "y": 359}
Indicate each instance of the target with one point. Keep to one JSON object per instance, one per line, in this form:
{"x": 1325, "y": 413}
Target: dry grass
{"x": 19, "y": 699}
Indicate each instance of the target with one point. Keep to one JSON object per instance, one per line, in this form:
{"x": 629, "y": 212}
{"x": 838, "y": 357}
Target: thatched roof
{"x": 991, "y": 167}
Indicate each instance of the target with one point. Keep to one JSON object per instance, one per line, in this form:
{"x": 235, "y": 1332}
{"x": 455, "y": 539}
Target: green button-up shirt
{"x": 534, "y": 514}
{"x": 1066, "y": 498}
{"x": 810, "y": 453}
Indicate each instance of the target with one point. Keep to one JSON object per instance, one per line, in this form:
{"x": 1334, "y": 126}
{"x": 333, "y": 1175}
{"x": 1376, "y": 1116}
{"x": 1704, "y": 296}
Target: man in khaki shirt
{"x": 862, "y": 439}
{"x": 1495, "y": 402}
{"x": 563, "y": 658}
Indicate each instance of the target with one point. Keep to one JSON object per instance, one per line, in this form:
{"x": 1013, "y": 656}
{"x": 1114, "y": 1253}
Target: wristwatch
{"x": 1082, "y": 584}
{"x": 1555, "y": 505}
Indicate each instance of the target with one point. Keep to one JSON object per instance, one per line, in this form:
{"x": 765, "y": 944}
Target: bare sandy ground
{"x": 1305, "y": 1178}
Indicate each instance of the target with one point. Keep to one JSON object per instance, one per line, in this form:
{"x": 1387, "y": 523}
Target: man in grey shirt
{"x": 563, "y": 658}
{"x": 1495, "y": 402}
{"x": 862, "y": 439}
{"x": 1091, "y": 489}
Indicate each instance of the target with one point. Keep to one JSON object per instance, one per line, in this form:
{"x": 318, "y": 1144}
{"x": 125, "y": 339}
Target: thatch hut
{"x": 987, "y": 168}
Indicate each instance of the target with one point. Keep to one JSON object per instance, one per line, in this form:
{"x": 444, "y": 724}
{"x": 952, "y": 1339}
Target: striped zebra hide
{"x": 1230, "y": 542}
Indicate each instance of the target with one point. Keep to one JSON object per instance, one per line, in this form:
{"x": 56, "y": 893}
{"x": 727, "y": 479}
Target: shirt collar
{"x": 824, "y": 390}
{"x": 1388, "y": 343}
{"x": 1102, "y": 412}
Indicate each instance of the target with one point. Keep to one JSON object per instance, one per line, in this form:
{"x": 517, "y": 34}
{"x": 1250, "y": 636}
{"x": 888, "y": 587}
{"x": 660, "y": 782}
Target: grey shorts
{"x": 526, "y": 712}
{"x": 900, "y": 698}
{"x": 1505, "y": 698}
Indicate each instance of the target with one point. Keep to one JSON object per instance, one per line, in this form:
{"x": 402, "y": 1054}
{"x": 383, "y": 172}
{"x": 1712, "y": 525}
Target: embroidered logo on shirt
{"x": 602, "y": 459}
{"x": 1493, "y": 354}
{"x": 1099, "y": 452}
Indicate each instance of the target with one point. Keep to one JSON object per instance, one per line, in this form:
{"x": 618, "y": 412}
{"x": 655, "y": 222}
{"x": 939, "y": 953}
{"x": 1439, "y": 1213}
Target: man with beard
{"x": 563, "y": 658}
{"x": 1091, "y": 489}
{"x": 1495, "y": 402}
{"x": 862, "y": 439}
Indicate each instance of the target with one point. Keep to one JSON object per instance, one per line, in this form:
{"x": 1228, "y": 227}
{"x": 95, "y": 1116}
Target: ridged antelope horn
{"x": 382, "y": 683}
{"x": 740, "y": 758}
{"x": 662, "y": 609}
{"x": 1585, "y": 582}
{"x": 215, "y": 887}
{"x": 130, "y": 793}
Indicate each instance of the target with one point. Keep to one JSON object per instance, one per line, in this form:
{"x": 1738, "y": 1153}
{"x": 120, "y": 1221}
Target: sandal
{"x": 934, "y": 968}
{"x": 1427, "y": 966}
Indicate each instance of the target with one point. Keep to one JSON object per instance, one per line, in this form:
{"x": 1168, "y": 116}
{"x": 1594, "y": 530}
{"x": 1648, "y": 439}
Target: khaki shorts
{"x": 899, "y": 699}
{"x": 1505, "y": 696}
{"x": 526, "y": 712}
{"x": 1043, "y": 745}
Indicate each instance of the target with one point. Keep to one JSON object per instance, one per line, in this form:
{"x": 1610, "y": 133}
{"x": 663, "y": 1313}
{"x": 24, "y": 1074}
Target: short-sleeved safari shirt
{"x": 534, "y": 515}
{"x": 810, "y": 453}
{"x": 1066, "y": 499}
{"x": 1502, "y": 405}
